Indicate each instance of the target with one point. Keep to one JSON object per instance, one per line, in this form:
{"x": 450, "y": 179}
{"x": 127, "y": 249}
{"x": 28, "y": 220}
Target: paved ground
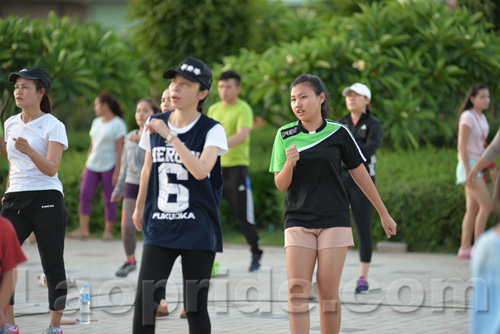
{"x": 411, "y": 293}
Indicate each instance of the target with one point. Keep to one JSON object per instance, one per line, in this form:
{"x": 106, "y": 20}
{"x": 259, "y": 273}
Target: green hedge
{"x": 418, "y": 58}
{"x": 418, "y": 189}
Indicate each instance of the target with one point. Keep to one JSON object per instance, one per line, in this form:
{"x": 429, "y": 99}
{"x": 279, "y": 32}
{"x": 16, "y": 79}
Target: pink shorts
{"x": 319, "y": 238}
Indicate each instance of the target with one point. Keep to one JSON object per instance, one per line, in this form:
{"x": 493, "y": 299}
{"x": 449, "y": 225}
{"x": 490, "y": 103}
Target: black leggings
{"x": 238, "y": 193}
{"x": 156, "y": 265}
{"x": 42, "y": 212}
{"x": 362, "y": 210}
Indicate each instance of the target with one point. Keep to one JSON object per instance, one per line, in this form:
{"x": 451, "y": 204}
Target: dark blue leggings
{"x": 362, "y": 210}
{"x": 156, "y": 265}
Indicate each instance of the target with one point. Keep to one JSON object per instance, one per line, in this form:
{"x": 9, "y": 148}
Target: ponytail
{"x": 46, "y": 103}
{"x": 112, "y": 103}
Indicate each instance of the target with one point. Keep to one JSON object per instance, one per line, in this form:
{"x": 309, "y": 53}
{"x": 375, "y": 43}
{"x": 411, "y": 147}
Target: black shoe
{"x": 126, "y": 269}
{"x": 256, "y": 262}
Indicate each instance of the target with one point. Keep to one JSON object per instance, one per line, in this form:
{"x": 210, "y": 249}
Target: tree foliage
{"x": 327, "y": 8}
{"x": 83, "y": 61}
{"x": 168, "y": 31}
{"x": 490, "y": 9}
{"x": 418, "y": 58}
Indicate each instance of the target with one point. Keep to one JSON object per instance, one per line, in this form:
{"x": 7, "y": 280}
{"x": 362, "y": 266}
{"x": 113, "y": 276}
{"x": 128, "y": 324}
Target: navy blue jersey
{"x": 181, "y": 212}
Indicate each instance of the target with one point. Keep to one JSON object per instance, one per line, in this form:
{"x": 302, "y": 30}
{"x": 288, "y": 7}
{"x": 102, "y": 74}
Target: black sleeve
{"x": 373, "y": 138}
{"x": 351, "y": 154}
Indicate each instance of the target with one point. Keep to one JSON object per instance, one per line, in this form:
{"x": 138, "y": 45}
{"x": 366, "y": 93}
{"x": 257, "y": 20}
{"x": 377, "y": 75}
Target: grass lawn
{"x": 267, "y": 238}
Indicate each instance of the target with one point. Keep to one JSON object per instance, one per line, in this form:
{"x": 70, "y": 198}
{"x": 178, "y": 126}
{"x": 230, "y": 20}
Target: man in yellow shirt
{"x": 236, "y": 116}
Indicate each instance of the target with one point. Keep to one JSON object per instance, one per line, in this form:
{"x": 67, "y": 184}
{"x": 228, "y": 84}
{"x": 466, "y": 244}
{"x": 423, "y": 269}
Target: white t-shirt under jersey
{"x": 24, "y": 175}
{"x": 216, "y": 136}
{"x": 104, "y": 135}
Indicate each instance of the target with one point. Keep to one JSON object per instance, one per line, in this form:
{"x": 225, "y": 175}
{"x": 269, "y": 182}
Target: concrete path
{"x": 410, "y": 293}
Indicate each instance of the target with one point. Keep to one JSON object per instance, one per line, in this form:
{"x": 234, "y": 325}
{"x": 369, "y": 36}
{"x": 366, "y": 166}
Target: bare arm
{"x": 283, "y": 178}
{"x": 120, "y": 184}
{"x": 462, "y": 146}
{"x": 239, "y": 137}
{"x": 90, "y": 148}
{"x": 143, "y": 188}
{"x": 365, "y": 183}
{"x": 119, "y": 148}
{"x": 489, "y": 155}
{"x": 7, "y": 284}
{"x": 198, "y": 167}
{"x": 472, "y": 175}
{"x": 48, "y": 165}
{"x": 3, "y": 148}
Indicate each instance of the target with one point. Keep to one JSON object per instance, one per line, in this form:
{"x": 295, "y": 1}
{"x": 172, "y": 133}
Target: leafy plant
{"x": 490, "y": 9}
{"x": 168, "y": 31}
{"x": 83, "y": 61}
{"x": 418, "y": 58}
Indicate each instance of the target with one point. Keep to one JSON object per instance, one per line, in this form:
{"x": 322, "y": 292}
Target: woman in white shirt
{"x": 103, "y": 164}
{"x": 472, "y": 133}
{"x": 34, "y": 201}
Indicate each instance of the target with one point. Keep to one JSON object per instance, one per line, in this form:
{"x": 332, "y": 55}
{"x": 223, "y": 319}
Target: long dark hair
{"x": 318, "y": 87}
{"x": 467, "y": 103}
{"x": 46, "y": 102}
{"x": 152, "y": 104}
{"x": 112, "y": 103}
{"x": 199, "y": 108}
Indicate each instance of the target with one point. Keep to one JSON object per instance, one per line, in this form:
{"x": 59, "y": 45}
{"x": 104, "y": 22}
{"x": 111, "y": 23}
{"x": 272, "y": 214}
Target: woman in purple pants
{"x": 103, "y": 164}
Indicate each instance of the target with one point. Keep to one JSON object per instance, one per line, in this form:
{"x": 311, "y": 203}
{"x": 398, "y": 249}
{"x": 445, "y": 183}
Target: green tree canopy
{"x": 83, "y": 61}
{"x": 418, "y": 58}
{"x": 167, "y": 31}
{"x": 490, "y": 9}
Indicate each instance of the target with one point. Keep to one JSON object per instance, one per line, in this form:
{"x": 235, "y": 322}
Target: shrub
{"x": 420, "y": 193}
{"x": 168, "y": 31}
{"x": 83, "y": 61}
{"x": 417, "y": 57}
{"x": 418, "y": 188}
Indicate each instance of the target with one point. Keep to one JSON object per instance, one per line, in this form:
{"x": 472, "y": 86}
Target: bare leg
{"x": 9, "y": 316}
{"x": 471, "y": 210}
{"x": 330, "y": 265}
{"x": 84, "y": 224}
{"x": 108, "y": 228}
{"x": 482, "y": 197}
{"x": 493, "y": 174}
{"x": 55, "y": 318}
{"x": 299, "y": 268}
{"x": 496, "y": 196}
{"x": 363, "y": 269}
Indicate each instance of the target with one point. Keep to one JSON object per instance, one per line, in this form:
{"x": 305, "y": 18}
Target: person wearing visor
{"x": 179, "y": 196}
{"x": 367, "y": 131}
{"x": 34, "y": 201}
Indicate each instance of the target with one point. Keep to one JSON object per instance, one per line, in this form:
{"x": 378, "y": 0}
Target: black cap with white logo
{"x": 32, "y": 73}
{"x": 194, "y": 70}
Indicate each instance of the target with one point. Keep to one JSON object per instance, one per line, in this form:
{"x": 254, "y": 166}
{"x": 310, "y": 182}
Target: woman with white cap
{"x": 367, "y": 131}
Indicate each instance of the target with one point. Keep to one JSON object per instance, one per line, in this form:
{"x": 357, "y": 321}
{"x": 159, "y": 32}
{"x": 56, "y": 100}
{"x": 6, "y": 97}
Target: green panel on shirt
{"x": 238, "y": 115}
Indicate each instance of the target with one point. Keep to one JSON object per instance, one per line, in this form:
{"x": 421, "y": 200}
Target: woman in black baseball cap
{"x": 33, "y": 201}
{"x": 177, "y": 207}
